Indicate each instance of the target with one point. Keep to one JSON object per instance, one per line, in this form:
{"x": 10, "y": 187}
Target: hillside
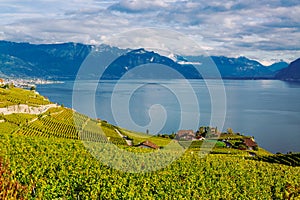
{"x": 24, "y": 112}
{"x": 62, "y": 154}
{"x": 17, "y": 96}
{"x": 141, "y": 57}
{"x": 54, "y": 168}
{"x": 278, "y": 66}
{"x": 62, "y": 61}
{"x": 42, "y": 61}
{"x": 291, "y": 73}
{"x": 241, "y": 67}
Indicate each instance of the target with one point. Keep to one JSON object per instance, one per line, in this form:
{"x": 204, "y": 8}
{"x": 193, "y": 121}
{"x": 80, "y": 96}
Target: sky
{"x": 264, "y": 30}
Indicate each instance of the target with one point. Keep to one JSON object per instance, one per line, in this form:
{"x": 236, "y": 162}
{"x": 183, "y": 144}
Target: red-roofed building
{"x": 185, "y": 135}
{"x": 250, "y": 143}
{"x": 148, "y": 144}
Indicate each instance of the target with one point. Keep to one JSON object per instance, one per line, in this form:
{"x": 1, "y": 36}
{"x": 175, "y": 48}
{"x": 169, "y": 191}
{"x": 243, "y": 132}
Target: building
{"x": 214, "y": 132}
{"x": 185, "y": 135}
{"x": 250, "y": 143}
{"x": 148, "y": 144}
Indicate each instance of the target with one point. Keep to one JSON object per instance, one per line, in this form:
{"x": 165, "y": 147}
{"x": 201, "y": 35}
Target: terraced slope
{"x": 51, "y": 120}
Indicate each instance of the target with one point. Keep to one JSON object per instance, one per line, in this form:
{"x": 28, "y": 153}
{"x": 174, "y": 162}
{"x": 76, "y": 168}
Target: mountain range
{"x": 291, "y": 73}
{"x": 62, "y": 61}
{"x": 41, "y": 61}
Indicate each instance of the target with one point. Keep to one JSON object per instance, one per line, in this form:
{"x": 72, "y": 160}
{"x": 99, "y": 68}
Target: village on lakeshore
{"x": 227, "y": 139}
{"x": 25, "y": 83}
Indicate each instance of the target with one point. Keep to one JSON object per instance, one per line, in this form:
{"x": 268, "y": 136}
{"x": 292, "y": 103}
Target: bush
{"x": 9, "y": 188}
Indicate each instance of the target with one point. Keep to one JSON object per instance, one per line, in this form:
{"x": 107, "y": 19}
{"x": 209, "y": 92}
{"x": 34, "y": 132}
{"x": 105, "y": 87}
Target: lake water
{"x": 269, "y": 110}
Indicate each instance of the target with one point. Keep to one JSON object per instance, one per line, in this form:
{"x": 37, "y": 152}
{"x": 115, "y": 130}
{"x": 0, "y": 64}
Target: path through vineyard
{"x": 129, "y": 142}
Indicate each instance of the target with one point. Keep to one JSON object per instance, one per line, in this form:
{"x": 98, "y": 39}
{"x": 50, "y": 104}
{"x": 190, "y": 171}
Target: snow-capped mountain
{"x": 62, "y": 61}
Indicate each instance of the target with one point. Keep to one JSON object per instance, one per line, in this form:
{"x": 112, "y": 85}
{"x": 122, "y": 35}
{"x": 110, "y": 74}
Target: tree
{"x": 255, "y": 148}
{"x": 6, "y": 86}
{"x": 11, "y": 85}
{"x": 201, "y": 130}
{"x": 172, "y": 136}
{"x": 230, "y": 131}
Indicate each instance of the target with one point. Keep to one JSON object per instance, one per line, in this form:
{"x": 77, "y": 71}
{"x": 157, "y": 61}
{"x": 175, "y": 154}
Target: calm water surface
{"x": 269, "y": 110}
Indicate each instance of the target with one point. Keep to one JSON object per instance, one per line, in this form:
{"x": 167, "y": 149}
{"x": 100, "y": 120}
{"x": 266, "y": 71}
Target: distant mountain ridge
{"x": 139, "y": 57}
{"x": 291, "y": 73}
{"x": 241, "y": 67}
{"x": 62, "y": 61}
{"x": 44, "y": 60}
{"x": 278, "y": 66}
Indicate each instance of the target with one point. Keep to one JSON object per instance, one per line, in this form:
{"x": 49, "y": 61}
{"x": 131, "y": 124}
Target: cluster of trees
{"x": 169, "y": 136}
{"x": 203, "y": 131}
{"x": 7, "y": 85}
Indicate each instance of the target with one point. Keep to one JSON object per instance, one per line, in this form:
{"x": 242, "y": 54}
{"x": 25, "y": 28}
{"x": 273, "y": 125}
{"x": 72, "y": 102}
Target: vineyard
{"x": 15, "y": 96}
{"x": 7, "y": 127}
{"x": 141, "y": 137}
{"x": 56, "y": 168}
{"x": 63, "y": 123}
{"x": 285, "y": 159}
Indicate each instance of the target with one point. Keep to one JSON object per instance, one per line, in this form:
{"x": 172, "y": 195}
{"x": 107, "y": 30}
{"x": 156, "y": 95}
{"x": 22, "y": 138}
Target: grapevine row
{"x": 288, "y": 159}
{"x": 63, "y": 169}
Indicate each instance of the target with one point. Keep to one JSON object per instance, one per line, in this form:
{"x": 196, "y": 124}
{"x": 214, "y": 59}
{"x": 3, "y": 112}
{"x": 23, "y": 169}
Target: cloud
{"x": 233, "y": 27}
{"x": 133, "y": 6}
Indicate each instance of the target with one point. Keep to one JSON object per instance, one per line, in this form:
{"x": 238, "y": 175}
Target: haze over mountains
{"x": 62, "y": 61}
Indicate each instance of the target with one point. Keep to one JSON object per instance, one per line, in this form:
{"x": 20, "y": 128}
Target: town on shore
{"x": 25, "y": 83}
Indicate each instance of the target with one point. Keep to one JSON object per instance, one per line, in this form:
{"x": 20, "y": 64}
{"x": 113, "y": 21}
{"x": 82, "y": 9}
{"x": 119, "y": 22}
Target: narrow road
{"x": 129, "y": 142}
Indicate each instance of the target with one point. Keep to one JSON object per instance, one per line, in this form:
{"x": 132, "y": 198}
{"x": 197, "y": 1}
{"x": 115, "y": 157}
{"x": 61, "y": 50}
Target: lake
{"x": 269, "y": 110}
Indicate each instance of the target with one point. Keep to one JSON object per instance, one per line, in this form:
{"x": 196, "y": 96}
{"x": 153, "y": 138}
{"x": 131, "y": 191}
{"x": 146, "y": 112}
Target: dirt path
{"x": 129, "y": 142}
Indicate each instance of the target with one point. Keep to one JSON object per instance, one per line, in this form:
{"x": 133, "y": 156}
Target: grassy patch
{"x": 141, "y": 137}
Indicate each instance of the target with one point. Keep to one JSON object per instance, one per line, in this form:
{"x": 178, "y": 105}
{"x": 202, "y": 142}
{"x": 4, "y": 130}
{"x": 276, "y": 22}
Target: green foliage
{"x": 112, "y": 135}
{"x": 202, "y": 130}
{"x": 242, "y": 146}
{"x": 225, "y": 136}
{"x": 15, "y": 96}
{"x": 9, "y": 187}
{"x": 6, "y": 127}
{"x": 172, "y": 136}
{"x": 141, "y": 137}
{"x": 230, "y": 131}
{"x": 19, "y": 119}
{"x": 220, "y": 144}
{"x": 60, "y": 123}
{"x": 63, "y": 169}
{"x": 285, "y": 159}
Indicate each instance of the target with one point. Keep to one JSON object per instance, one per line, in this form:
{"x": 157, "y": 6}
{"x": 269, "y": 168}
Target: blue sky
{"x": 263, "y": 30}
